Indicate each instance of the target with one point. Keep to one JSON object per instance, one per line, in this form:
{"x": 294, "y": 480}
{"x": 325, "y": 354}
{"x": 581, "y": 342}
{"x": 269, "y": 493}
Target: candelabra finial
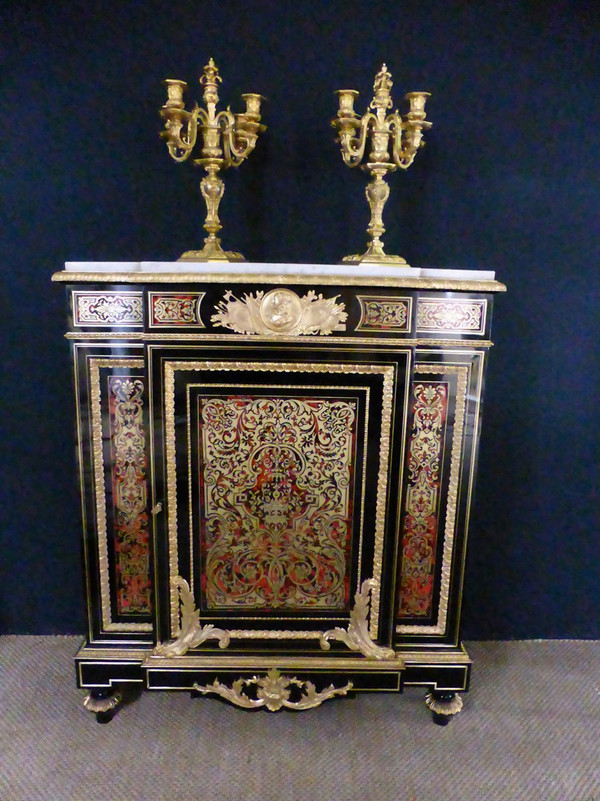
{"x": 227, "y": 140}
{"x": 394, "y": 141}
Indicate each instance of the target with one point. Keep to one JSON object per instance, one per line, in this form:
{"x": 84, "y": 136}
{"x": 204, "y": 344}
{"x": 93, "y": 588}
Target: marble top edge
{"x": 258, "y": 268}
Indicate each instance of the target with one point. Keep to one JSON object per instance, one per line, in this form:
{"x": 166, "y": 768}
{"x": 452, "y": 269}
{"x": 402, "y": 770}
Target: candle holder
{"x": 402, "y": 135}
{"x": 227, "y": 140}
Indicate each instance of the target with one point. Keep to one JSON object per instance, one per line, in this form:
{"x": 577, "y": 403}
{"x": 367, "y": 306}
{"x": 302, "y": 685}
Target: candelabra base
{"x": 212, "y": 251}
{"x": 375, "y": 255}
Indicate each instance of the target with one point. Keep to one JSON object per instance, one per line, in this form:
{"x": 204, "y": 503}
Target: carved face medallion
{"x": 281, "y": 310}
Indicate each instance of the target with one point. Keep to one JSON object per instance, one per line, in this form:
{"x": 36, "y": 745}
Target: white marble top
{"x": 258, "y": 268}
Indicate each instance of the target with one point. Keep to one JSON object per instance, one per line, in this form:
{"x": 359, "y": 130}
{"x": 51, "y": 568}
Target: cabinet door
{"x": 278, "y": 469}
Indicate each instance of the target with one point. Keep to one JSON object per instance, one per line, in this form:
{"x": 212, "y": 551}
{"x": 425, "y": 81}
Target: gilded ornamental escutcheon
{"x": 280, "y": 312}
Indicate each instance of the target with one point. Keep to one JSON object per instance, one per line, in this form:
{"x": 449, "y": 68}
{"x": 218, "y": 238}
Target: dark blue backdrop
{"x": 509, "y": 181}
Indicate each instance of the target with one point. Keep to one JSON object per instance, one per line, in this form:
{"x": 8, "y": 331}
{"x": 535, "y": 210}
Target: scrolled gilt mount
{"x": 227, "y": 140}
{"x": 273, "y": 692}
{"x": 356, "y": 637}
{"x": 394, "y": 141}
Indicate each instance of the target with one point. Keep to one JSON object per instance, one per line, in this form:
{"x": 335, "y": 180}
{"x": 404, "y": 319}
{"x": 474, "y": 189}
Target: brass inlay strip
{"x": 224, "y": 660}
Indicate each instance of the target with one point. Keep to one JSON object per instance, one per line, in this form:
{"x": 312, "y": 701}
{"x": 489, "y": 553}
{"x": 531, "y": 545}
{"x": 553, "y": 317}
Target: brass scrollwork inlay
{"x": 273, "y": 692}
{"x": 462, "y": 373}
{"x": 96, "y": 410}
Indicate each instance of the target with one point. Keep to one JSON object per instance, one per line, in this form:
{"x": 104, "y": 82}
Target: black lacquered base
{"x": 275, "y": 683}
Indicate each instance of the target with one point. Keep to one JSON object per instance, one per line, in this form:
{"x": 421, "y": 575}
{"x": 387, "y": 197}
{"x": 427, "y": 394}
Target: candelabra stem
{"x": 377, "y": 193}
{"x": 212, "y": 189}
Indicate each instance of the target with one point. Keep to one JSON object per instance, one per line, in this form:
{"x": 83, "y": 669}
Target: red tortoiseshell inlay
{"x": 420, "y": 517}
{"x": 129, "y": 495}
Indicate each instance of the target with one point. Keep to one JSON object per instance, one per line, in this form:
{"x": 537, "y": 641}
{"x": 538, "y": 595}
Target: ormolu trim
{"x": 266, "y": 278}
{"x": 273, "y": 692}
{"x": 348, "y": 340}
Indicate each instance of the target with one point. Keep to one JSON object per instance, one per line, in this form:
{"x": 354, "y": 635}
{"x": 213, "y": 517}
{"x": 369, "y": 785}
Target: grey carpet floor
{"x": 529, "y": 730}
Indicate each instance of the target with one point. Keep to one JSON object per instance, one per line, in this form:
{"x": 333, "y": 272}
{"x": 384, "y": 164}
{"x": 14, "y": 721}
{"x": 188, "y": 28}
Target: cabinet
{"x": 276, "y": 465}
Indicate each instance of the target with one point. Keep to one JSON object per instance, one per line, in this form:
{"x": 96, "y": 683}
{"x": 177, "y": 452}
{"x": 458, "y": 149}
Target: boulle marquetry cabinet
{"x": 276, "y": 467}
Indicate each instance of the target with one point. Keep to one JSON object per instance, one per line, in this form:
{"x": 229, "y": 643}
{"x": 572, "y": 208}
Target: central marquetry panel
{"x": 276, "y": 499}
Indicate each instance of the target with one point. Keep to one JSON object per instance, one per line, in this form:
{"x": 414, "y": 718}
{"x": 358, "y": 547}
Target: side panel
{"x": 111, "y": 391}
{"x": 443, "y": 432}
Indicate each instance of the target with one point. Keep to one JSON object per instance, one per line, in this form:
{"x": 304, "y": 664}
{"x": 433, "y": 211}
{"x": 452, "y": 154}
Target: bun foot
{"x": 444, "y": 705}
{"x": 103, "y": 703}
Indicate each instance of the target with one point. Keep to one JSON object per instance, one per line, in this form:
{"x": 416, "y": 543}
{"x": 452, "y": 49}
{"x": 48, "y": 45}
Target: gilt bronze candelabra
{"x": 227, "y": 139}
{"x": 403, "y": 135}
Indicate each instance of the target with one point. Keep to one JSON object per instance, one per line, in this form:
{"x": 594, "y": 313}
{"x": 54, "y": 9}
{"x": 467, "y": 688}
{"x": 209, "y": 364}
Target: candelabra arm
{"x": 180, "y": 146}
{"x": 237, "y": 143}
{"x": 406, "y": 140}
{"x": 353, "y": 147}
{"x": 225, "y": 121}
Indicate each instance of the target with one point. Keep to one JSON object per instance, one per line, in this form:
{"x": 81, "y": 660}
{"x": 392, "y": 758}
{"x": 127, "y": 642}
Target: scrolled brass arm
{"x": 180, "y": 145}
{"x": 353, "y": 146}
